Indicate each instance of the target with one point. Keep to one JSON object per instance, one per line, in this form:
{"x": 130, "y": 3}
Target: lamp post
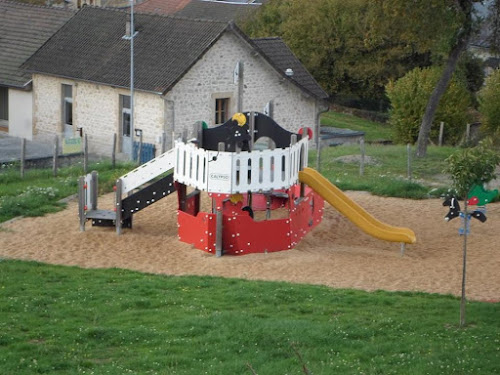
{"x": 130, "y": 36}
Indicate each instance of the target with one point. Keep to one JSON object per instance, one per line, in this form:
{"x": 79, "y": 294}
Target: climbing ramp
{"x": 138, "y": 187}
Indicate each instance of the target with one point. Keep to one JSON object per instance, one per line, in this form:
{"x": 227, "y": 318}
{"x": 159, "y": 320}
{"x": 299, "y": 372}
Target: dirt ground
{"x": 336, "y": 253}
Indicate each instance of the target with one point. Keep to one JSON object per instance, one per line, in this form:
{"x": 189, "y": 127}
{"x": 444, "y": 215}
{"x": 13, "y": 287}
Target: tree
{"x": 463, "y": 34}
{"x": 463, "y": 27}
{"x": 340, "y": 43}
{"x": 469, "y": 167}
{"x": 408, "y": 97}
{"x": 489, "y": 103}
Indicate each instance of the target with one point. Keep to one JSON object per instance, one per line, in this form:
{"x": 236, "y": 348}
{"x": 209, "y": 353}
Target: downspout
{"x": 318, "y": 137}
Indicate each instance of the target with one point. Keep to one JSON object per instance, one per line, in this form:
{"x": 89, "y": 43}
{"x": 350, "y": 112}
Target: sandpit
{"x": 336, "y": 253}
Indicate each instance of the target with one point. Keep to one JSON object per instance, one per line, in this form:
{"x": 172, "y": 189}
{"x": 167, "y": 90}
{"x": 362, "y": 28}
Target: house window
{"x": 67, "y": 104}
{"x": 4, "y": 104}
{"x": 221, "y": 110}
{"x": 125, "y": 115}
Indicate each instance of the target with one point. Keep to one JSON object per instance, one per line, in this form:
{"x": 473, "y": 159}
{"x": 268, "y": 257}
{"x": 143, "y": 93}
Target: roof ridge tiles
{"x": 39, "y": 6}
{"x": 152, "y": 14}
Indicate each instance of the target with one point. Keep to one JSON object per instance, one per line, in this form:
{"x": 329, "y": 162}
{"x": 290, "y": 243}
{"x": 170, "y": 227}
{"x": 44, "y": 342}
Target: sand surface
{"x": 336, "y": 253}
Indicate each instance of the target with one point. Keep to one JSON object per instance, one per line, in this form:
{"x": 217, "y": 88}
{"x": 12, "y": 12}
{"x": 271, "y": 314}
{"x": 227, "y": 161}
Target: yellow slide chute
{"x": 354, "y": 212}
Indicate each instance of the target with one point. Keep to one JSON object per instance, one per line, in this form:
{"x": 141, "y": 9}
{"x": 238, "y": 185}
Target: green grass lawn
{"x": 38, "y": 192}
{"x": 388, "y": 175}
{"x": 374, "y": 131}
{"x": 64, "y": 320}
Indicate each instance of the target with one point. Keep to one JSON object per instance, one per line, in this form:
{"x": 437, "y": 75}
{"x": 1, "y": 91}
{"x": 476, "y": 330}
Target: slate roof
{"x": 215, "y": 10}
{"x": 161, "y": 6}
{"x": 91, "y": 48}
{"x": 23, "y": 29}
{"x": 283, "y": 58}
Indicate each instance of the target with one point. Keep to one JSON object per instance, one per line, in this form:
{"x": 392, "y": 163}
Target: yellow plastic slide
{"x": 354, "y": 212}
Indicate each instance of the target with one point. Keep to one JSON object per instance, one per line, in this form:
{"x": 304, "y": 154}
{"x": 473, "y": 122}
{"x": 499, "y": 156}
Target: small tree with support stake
{"x": 467, "y": 168}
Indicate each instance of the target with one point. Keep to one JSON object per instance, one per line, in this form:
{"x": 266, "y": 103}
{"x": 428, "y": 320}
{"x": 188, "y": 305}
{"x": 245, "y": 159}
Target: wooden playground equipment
{"x": 241, "y": 177}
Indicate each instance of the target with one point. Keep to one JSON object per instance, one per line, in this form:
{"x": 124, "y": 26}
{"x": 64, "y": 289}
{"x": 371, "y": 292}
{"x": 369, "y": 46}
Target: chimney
{"x": 127, "y": 26}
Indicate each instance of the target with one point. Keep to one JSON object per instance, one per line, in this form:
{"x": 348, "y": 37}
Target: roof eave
{"x": 246, "y": 39}
{"x": 93, "y": 82}
{"x": 25, "y": 86}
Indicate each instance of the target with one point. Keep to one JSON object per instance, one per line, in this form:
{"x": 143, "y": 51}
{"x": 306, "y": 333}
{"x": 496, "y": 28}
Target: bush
{"x": 489, "y": 103}
{"x": 472, "y": 166}
{"x": 409, "y": 96}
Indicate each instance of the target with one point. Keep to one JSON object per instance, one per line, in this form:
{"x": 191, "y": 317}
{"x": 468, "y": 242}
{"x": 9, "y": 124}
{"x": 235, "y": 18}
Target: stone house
{"x": 186, "y": 70}
{"x": 23, "y": 29}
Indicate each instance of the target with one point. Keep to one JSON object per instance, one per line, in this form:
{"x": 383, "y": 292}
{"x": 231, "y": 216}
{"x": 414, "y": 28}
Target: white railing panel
{"x": 229, "y": 173}
{"x": 219, "y": 171}
{"x": 190, "y": 168}
{"x": 268, "y": 170}
{"x": 148, "y": 171}
{"x": 88, "y": 191}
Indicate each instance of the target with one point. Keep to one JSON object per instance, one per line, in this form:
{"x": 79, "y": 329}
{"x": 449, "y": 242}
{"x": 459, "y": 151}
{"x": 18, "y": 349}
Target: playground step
{"x": 101, "y": 218}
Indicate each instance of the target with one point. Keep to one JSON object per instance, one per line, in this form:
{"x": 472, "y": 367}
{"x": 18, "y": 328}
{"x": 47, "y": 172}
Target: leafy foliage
{"x": 470, "y": 71}
{"x": 39, "y": 192}
{"x": 341, "y": 43}
{"x": 409, "y": 96}
{"x": 489, "y": 103}
{"x": 472, "y": 166}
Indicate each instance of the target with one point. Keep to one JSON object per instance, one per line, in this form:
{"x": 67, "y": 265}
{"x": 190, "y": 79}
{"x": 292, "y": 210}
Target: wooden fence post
{"x": 408, "y": 155}
{"x": 23, "y": 156}
{"x": 113, "y": 152}
{"x": 54, "y": 159}
{"x": 441, "y": 132}
{"x": 139, "y": 152}
{"x": 362, "y": 162}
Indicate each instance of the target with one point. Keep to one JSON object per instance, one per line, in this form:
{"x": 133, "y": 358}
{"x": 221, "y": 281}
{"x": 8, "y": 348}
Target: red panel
{"x": 243, "y": 235}
{"x": 198, "y": 230}
{"x": 305, "y": 216}
{"x": 192, "y": 205}
{"x": 259, "y": 201}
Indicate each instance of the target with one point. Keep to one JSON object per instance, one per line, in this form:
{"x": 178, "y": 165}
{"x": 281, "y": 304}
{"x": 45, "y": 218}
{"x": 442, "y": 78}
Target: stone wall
{"x": 212, "y": 76}
{"x": 96, "y": 109}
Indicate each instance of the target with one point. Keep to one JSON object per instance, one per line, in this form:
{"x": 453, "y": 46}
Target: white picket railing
{"x": 222, "y": 172}
{"x": 230, "y": 172}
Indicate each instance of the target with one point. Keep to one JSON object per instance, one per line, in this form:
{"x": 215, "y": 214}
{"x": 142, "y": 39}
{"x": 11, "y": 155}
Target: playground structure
{"x": 247, "y": 164}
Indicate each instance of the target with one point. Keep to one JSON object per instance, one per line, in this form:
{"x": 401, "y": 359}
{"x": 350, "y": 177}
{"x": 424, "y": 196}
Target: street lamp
{"x": 130, "y": 36}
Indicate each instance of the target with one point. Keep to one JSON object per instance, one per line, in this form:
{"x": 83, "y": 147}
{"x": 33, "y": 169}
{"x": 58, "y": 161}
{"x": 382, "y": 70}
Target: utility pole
{"x": 130, "y": 36}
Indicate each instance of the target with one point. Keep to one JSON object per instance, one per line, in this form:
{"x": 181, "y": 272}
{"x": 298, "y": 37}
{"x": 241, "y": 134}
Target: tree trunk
{"x": 465, "y": 7}
{"x": 437, "y": 93}
{"x": 464, "y": 268}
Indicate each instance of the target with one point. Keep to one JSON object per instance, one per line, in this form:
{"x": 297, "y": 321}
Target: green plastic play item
{"x": 479, "y": 196}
